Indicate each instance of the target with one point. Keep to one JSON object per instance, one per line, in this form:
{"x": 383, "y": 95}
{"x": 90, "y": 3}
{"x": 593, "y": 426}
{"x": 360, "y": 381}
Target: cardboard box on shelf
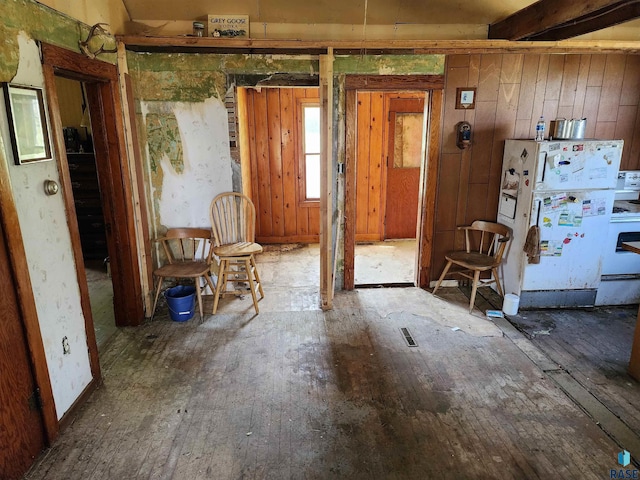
{"x": 228, "y": 26}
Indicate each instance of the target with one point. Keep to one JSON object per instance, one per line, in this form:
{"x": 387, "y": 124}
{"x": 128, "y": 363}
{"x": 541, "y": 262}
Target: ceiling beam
{"x": 561, "y": 19}
{"x": 179, "y": 44}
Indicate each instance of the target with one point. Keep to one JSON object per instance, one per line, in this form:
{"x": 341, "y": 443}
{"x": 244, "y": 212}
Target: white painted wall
{"x": 47, "y": 244}
{"x": 186, "y": 195}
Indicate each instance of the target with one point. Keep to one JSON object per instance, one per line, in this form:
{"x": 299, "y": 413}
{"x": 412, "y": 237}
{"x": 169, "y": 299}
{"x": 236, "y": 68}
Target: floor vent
{"x": 408, "y": 338}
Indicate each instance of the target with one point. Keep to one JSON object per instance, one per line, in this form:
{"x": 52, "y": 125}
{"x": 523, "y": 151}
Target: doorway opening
{"x": 87, "y": 197}
{"x": 390, "y": 148}
{"x": 280, "y": 162}
{"x": 381, "y": 126}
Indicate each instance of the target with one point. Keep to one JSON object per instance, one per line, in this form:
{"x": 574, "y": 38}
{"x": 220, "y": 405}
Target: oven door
{"x": 620, "y": 280}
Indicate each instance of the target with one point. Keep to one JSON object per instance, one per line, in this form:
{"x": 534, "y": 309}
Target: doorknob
{"x": 50, "y": 187}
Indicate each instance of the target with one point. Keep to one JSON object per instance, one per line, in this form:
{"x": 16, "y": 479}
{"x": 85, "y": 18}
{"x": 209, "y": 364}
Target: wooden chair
{"x": 188, "y": 252}
{"x": 485, "y": 257}
{"x": 233, "y": 221}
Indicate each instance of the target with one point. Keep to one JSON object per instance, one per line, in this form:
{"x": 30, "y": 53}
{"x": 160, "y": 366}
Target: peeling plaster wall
{"x": 47, "y": 244}
{"x": 184, "y": 127}
{"x": 179, "y": 100}
{"x": 189, "y": 159}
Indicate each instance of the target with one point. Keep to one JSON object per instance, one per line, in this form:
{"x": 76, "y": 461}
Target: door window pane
{"x": 407, "y": 141}
{"x": 311, "y": 151}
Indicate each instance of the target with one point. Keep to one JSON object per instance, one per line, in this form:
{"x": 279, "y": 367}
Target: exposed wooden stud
{"x": 137, "y": 182}
{"x": 326, "y": 179}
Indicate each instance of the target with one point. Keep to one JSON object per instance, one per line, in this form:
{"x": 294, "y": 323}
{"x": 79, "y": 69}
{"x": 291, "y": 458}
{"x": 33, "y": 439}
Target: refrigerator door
{"x": 573, "y": 229}
{"x": 574, "y": 165}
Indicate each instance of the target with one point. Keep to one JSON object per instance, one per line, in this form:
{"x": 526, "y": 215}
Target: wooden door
{"x": 403, "y": 167}
{"x": 21, "y": 424}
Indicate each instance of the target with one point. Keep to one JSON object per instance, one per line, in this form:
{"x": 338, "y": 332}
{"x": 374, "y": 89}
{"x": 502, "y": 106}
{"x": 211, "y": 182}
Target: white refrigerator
{"x": 566, "y": 189}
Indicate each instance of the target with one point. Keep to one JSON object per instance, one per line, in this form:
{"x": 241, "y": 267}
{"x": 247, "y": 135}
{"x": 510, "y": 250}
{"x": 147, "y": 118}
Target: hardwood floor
{"x": 101, "y": 298}
{"x": 297, "y": 393}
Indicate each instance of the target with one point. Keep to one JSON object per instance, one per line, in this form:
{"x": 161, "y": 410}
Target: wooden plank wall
{"x": 513, "y": 90}
{"x": 272, "y": 115}
{"x": 371, "y": 153}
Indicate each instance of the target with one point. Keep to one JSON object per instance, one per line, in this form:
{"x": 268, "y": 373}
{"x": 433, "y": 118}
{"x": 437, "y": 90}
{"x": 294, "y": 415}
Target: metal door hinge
{"x": 35, "y": 400}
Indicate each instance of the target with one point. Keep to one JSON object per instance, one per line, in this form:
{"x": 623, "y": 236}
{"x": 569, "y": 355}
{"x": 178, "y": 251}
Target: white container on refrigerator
{"x": 567, "y": 189}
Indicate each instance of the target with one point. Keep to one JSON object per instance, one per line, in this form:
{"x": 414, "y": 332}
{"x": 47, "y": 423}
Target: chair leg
{"x": 196, "y": 281}
{"x": 207, "y": 278}
{"x": 255, "y": 271}
{"x": 252, "y": 286}
{"x": 155, "y": 302}
{"x": 497, "y": 279}
{"x": 222, "y": 280}
{"x": 442, "y": 275}
{"x": 476, "y": 279}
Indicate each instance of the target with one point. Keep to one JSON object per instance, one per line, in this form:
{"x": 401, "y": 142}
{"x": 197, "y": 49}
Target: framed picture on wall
{"x": 27, "y": 123}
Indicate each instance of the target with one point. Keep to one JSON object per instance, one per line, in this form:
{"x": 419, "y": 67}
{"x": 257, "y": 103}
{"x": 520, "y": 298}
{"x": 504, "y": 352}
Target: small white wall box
{"x": 228, "y": 26}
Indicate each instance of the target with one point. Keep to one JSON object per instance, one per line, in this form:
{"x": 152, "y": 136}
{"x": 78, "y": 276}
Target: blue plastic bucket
{"x": 181, "y": 301}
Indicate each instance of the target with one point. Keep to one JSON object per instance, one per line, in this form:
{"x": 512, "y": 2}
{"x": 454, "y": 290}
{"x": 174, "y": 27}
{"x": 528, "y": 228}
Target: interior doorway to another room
{"x": 280, "y": 162}
{"x": 75, "y": 117}
{"x": 278, "y": 150}
{"x": 390, "y": 147}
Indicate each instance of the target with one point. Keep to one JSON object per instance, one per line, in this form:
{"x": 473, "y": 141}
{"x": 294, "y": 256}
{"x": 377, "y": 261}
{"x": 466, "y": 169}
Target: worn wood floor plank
{"x": 329, "y": 395}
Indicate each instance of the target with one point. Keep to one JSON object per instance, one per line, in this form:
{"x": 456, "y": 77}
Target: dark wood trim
{"x": 426, "y": 231}
{"x": 103, "y": 95}
{"x": 394, "y": 82}
{"x": 26, "y": 301}
{"x": 62, "y": 60}
{"x": 349, "y": 190}
{"x": 373, "y": 47}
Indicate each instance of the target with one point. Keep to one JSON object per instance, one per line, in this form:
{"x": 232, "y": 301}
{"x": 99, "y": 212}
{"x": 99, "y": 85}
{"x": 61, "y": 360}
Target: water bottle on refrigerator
{"x": 540, "y": 129}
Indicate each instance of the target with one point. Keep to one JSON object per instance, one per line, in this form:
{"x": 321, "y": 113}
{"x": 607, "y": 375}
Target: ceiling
{"x": 431, "y": 18}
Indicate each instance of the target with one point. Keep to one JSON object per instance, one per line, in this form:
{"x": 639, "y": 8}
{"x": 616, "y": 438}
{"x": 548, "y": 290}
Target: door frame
{"x": 105, "y": 108}
{"x": 434, "y": 84}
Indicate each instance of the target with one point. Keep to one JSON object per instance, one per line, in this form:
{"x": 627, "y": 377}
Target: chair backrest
{"x": 491, "y": 240}
{"x": 233, "y": 219}
{"x": 187, "y": 244}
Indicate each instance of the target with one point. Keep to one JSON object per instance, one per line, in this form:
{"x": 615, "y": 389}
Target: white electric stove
{"x": 620, "y": 281}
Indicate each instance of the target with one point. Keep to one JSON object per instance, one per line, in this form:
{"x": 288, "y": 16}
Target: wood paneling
{"x": 513, "y": 91}
{"x": 372, "y": 112}
{"x": 274, "y": 152}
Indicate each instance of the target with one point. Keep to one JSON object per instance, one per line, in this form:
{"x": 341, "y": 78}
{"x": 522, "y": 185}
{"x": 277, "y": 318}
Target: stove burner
{"x": 620, "y": 210}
